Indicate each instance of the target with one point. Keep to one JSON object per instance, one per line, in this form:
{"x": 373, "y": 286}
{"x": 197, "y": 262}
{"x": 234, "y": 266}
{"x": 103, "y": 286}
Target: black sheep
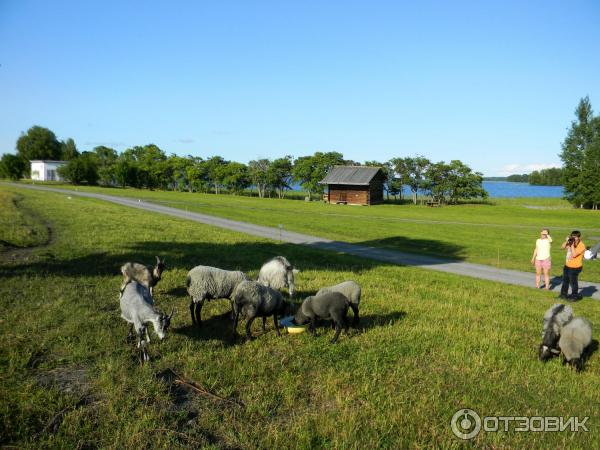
{"x": 329, "y": 306}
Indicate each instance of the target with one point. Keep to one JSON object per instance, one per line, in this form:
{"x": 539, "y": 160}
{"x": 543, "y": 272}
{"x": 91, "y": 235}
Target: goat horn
{"x": 172, "y": 312}
{"x": 157, "y": 259}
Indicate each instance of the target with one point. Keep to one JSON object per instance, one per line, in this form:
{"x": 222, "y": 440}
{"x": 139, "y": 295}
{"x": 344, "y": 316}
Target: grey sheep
{"x": 575, "y": 337}
{"x": 329, "y": 306}
{"x": 147, "y": 276}
{"x": 278, "y": 273}
{"x": 209, "y": 283}
{"x": 255, "y": 300}
{"x": 350, "y": 289}
{"x": 554, "y": 320}
{"x": 137, "y": 308}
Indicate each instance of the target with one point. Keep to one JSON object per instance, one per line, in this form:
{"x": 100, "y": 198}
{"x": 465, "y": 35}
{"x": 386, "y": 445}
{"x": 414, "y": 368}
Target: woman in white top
{"x": 541, "y": 258}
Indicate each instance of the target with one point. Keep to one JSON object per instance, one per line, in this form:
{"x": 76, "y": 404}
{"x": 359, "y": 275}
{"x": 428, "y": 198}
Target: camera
{"x": 571, "y": 240}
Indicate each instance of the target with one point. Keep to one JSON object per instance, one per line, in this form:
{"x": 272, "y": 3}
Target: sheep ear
{"x": 157, "y": 260}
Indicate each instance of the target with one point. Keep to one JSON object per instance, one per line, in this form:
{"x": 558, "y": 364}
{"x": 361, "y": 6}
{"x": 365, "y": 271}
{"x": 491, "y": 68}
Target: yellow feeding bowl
{"x": 290, "y": 326}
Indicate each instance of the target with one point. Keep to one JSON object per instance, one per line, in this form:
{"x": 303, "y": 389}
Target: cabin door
{"x": 344, "y": 197}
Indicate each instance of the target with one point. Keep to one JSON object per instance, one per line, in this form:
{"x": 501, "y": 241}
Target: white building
{"x": 44, "y": 170}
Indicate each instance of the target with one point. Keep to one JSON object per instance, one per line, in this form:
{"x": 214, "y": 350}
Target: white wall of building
{"x": 46, "y": 170}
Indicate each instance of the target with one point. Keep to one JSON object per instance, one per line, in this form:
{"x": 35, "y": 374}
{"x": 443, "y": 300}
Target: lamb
{"x": 147, "y": 276}
{"x": 278, "y": 273}
{"x": 574, "y": 338}
{"x": 208, "y": 283}
{"x": 592, "y": 252}
{"x": 351, "y": 290}
{"x": 255, "y": 300}
{"x": 554, "y": 320}
{"x": 331, "y": 305}
{"x": 137, "y": 308}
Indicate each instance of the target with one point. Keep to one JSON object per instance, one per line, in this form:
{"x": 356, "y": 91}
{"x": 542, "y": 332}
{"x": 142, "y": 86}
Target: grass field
{"x": 500, "y": 234}
{"x": 429, "y": 344}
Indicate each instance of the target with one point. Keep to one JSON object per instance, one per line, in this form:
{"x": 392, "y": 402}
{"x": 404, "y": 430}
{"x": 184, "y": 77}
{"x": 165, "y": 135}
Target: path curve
{"x": 515, "y": 277}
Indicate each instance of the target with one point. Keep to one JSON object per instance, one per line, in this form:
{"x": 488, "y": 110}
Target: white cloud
{"x": 511, "y": 169}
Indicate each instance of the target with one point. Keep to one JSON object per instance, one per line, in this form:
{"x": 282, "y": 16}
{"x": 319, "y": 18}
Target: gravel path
{"x": 515, "y": 277}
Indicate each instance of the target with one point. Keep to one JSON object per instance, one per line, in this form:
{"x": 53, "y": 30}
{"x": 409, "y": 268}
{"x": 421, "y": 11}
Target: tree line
{"x": 581, "y": 158}
{"x": 545, "y": 177}
{"x": 150, "y": 167}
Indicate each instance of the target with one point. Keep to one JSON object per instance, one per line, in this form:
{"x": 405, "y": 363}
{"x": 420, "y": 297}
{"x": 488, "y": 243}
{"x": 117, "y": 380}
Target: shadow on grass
{"x": 430, "y": 251}
{"x": 380, "y": 320}
{"x": 587, "y": 291}
{"x": 218, "y": 327}
{"x": 245, "y": 256}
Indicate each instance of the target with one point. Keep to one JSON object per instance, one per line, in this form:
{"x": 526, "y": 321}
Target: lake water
{"x": 508, "y": 189}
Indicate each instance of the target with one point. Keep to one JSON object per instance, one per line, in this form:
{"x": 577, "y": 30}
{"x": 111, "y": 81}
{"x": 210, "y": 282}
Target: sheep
{"x": 574, "y": 338}
{"x": 554, "y": 319}
{"x": 592, "y": 252}
{"x": 331, "y": 305}
{"x": 278, "y": 273}
{"x": 255, "y": 300}
{"x": 137, "y": 308}
{"x": 147, "y": 276}
{"x": 351, "y": 290}
{"x": 208, "y": 283}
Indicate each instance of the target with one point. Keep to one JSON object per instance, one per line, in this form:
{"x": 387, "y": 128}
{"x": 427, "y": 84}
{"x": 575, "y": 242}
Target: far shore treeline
{"x": 150, "y": 167}
{"x": 545, "y": 177}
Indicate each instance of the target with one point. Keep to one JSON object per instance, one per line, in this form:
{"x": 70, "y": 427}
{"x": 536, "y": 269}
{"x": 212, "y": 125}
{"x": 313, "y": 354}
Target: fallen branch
{"x": 203, "y": 391}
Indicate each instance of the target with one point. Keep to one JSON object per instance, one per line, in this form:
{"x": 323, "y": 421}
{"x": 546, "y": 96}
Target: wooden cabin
{"x": 354, "y": 185}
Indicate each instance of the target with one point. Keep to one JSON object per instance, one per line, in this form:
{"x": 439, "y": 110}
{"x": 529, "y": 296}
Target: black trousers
{"x": 570, "y": 276}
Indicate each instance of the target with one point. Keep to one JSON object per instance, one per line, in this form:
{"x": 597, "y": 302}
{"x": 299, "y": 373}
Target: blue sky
{"x": 494, "y": 84}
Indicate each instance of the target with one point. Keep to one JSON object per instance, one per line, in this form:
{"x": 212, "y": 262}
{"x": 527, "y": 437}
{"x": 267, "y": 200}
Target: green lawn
{"x": 501, "y": 234}
{"x": 430, "y": 343}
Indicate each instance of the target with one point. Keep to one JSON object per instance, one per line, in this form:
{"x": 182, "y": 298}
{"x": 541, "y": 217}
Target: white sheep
{"x": 137, "y": 308}
{"x": 209, "y": 283}
{"x": 278, "y": 273}
{"x": 554, "y": 320}
{"x": 574, "y": 339}
{"x": 351, "y": 290}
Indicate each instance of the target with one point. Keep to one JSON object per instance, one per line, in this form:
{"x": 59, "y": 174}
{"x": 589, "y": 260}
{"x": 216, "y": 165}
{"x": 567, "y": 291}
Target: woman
{"x": 541, "y": 258}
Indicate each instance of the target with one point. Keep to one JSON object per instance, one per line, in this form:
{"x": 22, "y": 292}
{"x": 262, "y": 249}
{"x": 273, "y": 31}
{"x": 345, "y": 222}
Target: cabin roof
{"x": 354, "y": 175}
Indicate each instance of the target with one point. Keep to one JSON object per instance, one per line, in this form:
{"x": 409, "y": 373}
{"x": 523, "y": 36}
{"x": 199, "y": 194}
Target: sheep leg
{"x": 248, "y": 325}
{"x": 311, "y": 327}
{"x": 264, "y": 321}
{"x": 199, "y": 312}
{"x": 235, "y": 323}
{"x": 355, "y": 311}
{"x": 232, "y": 310}
{"x": 142, "y": 344}
{"x": 338, "y": 330}
{"x": 192, "y": 311}
{"x": 345, "y": 322}
{"x": 276, "y": 322}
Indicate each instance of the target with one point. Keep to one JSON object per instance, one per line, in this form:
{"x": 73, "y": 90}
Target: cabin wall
{"x": 352, "y": 195}
{"x": 376, "y": 189}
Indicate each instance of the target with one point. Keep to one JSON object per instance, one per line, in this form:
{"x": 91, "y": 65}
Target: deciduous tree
{"x": 38, "y": 143}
